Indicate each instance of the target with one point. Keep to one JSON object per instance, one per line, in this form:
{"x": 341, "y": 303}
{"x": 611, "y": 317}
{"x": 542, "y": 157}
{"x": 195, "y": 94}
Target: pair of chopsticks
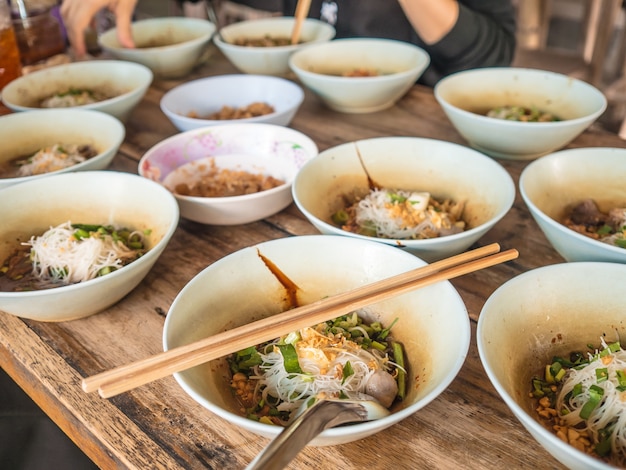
{"x": 127, "y": 377}
{"x": 302, "y": 10}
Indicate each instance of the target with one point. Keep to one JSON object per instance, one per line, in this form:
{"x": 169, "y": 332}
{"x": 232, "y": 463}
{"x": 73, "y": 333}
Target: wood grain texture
{"x": 158, "y": 426}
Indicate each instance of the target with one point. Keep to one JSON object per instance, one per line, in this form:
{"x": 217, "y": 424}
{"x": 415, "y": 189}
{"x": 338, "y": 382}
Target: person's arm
{"x": 480, "y": 34}
{"x": 432, "y": 20}
{"x": 78, "y": 14}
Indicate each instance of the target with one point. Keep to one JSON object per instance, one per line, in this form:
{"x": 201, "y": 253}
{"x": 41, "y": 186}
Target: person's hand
{"x": 78, "y": 14}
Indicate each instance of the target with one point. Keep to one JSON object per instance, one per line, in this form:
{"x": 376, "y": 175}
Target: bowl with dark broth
{"x": 577, "y": 197}
{"x": 516, "y": 113}
{"x": 359, "y": 75}
{"x": 549, "y": 340}
{"x": 171, "y": 46}
{"x": 263, "y": 46}
{"x": 428, "y": 197}
{"x": 80, "y": 140}
{"x": 114, "y": 87}
{"x": 429, "y": 326}
{"x": 73, "y": 244}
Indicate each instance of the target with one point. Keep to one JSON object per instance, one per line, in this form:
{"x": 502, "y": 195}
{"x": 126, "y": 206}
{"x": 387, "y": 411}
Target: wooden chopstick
{"x": 302, "y": 10}
{"x": 127, "y": 377}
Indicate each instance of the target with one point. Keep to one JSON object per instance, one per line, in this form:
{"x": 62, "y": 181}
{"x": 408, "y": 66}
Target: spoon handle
{"x": 321, "y": 415}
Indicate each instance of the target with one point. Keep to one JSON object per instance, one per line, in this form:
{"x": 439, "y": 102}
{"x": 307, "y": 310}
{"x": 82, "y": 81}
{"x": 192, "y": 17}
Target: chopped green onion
{"x": 347, "y": 371}
{"x": 621, "y": 380}
{"x": 290, "y": 358}
{"x": 577, "y": 390}
{"x": 398, "y": 358}
{"x": 595, "y": 397}
{"x": 340, "y": 217}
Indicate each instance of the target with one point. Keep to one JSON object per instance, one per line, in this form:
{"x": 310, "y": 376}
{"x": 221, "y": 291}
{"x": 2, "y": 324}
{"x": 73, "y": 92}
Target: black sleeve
{"x": 484, "y": 35}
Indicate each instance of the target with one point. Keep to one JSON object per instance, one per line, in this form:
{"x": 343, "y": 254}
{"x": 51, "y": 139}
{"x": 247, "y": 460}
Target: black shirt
{"x": 483, "y": 36}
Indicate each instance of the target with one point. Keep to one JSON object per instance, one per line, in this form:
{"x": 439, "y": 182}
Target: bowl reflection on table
{"x": 359, "y": 75}
{"x": 433, "y": 324}
{"x": 171, "y": 47}
{"x": 467, "y": 96}
{"x": 444, "y": 169}
{"x": 268, "y": 60}
{"x": 258, "y": 149}
{"x": 123, "y": 83}
{"x": 555, "y": 183}
{"x": 546, "y": 312}
{"x": 190, "y": 105}
{"x": 87, "y": 197}
{"x": 24, "y": 134}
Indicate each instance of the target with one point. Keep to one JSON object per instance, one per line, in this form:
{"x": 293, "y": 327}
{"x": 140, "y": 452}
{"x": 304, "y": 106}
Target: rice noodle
{"x": 408, "y": 215}
{"x": 322, "y": 363}
{"x": 58, "y": 256}
{"x": 610, "y": 412}
{"x": 54, "y": 158}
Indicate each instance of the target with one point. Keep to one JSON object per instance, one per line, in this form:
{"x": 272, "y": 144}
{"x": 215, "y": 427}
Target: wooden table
{"x": 159, "y": 426}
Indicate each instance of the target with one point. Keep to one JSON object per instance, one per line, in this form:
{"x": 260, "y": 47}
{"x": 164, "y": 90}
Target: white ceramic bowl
{"x": 444, "y": 169}
{"x": 548, "y": 311}
{"x": 208, "y": 95}
{"x": 125, "y": 82}
{"x": 268, "y": 60}
{"x": 466, "y": 97}
{"x": 171, "y": 47}
{"x": 554, "y": 183}
{"x": 433, "y": 323}
{"x": 24, "y": 134}
{"x": 91, "y": 197}
{"x": 398, "y": 65}
{"x": 254, "y": 148}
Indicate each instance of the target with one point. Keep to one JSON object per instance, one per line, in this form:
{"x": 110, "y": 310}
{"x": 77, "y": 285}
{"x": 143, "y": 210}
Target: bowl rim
{"x": 363, "y": 427}
{"x": 153, "y": 252}
{"x": 426, "y": 242}
{"x": 173, "y": 20}
{"x": 33, "y": 78}
{"x": 554, "y": 224}
{"x": 206, "y": 81}
{"x": 518, "y": 411}
{"x": 87, "y": 114}
{"x": 512, "y": 70}
{"x": 326, "y": 28}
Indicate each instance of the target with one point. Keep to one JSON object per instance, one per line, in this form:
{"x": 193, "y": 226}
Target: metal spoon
{"x": 323, "y": 414}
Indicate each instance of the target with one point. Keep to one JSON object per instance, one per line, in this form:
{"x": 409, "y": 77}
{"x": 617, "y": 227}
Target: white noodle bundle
{"x": 403, "y": 215}
{"x": 51, "y": 159}
{"x": 322, "y": 365}
{"x": 610, "y": 412}
{"x": 58, "y": 256}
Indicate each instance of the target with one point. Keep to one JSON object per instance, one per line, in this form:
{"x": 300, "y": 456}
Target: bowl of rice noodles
{"x": 73, "y": 244}
{"x": 79, "y": 140}
{"x": 426, "y": 196}
{"x": 549, "y": 340}
{"x": 114, "y": 87}
{"x": 428, "y": 329}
